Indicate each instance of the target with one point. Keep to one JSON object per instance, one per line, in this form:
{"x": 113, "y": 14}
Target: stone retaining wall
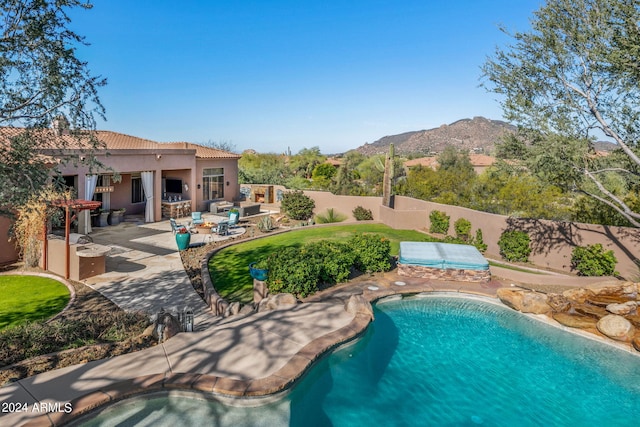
{"x": 451, "y": 274}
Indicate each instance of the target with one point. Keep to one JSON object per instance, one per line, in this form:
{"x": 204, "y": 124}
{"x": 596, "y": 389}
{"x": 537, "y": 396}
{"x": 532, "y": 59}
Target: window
{"x": 212, "y": 183}
{"x": 137, "y": 195}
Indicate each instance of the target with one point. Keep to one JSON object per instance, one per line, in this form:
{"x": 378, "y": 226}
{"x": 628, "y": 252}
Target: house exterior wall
{"x": 8, "y": 250}
{"x": 231, "y": 191}
{"x": 176, "y": 163}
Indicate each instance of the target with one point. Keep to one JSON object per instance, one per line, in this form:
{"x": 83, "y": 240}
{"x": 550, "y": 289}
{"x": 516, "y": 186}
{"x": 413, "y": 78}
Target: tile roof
{"x": 112, "y": 141}
{"x": 430, "y": 162}
{"x": 202, "y": 152}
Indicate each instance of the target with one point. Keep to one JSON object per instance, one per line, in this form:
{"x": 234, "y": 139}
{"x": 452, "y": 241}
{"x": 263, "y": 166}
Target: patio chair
{"x": 234, "y": 217}
{"x": 222, "y": 229}
{"x": 175, "y": 226}
{"x": 196, "y": 218}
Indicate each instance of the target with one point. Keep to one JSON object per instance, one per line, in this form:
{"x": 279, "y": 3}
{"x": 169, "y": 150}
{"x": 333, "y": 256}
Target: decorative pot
{"x": 183, "y": 240}
{"x": 116, "y": 217}
{"x": 258, "y": 273}
{"x": 103, "y": 219}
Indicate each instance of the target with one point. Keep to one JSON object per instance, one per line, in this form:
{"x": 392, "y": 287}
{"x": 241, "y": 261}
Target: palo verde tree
{"x": 572, "y": 77}
{"x": 41, "y": 80}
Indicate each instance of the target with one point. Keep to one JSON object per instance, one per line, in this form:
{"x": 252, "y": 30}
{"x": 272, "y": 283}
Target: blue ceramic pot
{"x": 258, "y": 273}
{"x": 183, "y": 240}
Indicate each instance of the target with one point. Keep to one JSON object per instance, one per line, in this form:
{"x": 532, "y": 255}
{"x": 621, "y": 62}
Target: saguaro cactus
{"x": 389, "y": 173}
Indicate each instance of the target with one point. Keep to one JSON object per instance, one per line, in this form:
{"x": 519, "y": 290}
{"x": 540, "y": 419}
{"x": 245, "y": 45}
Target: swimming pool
{"x": 437, "y": 361}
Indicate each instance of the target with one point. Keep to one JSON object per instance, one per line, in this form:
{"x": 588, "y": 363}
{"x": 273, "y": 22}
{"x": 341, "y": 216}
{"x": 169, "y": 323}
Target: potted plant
{"x": 183, "y": 238}
{"x": 116, "y": 216}
{"x": 103, "y": 218}
{"x": 259, "y": 270}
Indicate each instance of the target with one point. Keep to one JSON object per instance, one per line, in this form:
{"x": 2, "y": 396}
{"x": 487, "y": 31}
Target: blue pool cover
{"x": 442, "y": 255}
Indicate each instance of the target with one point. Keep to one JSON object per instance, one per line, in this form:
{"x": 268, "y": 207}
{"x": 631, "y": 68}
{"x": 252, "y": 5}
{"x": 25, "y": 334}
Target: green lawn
{"x": 30, "y": 298}
{"x": 229, "y": 268}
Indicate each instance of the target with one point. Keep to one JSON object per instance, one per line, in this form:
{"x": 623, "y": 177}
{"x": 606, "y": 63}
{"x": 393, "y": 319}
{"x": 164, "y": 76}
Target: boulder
{"x": 274, "y": 302}
{"x": 358, "y": 304}
{"x": 589, "y": 310}
{"x": 165, "y": 326}
{"x": 579, "y": 295}
{"x": 613, "y": 292}
{"x": 232, "y": 309}
{"x": 247, "y": 309}
{"x": 634, "y": 319}
{"x": 616, "y": 327}
{"x": 629, "y": 307}
{"x": 260, "y": 290}
{"x": 558, "y": 302}
{"x": 575, "y": 321}
{"x": 636, "y": 342}
{"x": 524, "y": 300}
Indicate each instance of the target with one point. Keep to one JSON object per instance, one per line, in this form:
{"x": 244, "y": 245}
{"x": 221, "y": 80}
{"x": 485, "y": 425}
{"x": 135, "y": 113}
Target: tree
{"x": 267, "y": 168}
{"x": 322, "y": 175}
{"x": 575, "y": 73}
{"x": 224, "y": 145}
{"x": 305, "y": 161}
{"x": 42, "y": 81}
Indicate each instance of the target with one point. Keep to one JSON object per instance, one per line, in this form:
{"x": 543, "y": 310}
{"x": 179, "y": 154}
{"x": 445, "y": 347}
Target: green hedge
{"x": 299, "y": 270}
{"x": 439, "y": 222}
{"x": 593, "y": 260}
{"x": 514, "y": 246}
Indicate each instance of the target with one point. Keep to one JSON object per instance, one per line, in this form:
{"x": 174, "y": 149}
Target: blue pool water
{"x": 438, "y": 361}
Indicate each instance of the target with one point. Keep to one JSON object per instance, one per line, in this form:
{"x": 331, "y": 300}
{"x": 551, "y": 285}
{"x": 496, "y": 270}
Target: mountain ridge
{"x": 478, "y": 135}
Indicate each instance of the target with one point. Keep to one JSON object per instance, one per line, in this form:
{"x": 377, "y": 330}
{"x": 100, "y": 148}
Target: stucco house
{"x": 142, "y": 176}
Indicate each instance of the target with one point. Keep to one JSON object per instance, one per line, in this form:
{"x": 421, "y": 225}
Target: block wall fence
{"x": 551, "y": 241}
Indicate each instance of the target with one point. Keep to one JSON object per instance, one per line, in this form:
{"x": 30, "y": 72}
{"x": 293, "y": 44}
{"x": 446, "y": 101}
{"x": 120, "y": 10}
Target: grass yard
{"x": 30, "y": 298}
{"x": 229, "y": 268}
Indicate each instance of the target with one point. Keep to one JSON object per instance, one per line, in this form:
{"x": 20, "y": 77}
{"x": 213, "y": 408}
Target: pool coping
{"x": 278, "y": 382}
{"x": 273, "y": 385}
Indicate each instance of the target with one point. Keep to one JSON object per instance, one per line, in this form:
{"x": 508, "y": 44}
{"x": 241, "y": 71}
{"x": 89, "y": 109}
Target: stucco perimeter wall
{"x": 551, "y": 241}
{"x": 344, "y": 204}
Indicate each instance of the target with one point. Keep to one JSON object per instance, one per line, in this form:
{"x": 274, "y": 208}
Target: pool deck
{"x": 252, "y": 356}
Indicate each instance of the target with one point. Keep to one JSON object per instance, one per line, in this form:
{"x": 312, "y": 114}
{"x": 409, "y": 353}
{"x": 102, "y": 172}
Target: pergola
{"x": 77, "y": 205}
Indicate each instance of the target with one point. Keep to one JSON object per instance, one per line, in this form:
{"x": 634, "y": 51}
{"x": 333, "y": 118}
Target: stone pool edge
{"x": 278, "y": 382}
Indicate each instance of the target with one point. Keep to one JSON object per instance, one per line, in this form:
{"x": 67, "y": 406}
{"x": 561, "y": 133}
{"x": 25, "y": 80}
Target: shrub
{"x": 439, "y": 222}
{"x": 292, "y": 271}
{"x": 463, "y": 229}
{"x": 514, "y": 245}
{"x": 478, "y": 242}
{"x": 297, "y": 205}
{"x": 362, "y": 214}
{"x": 265, "y": 224}
{"x": 371, "y": 252}
{"x": 593, "y": 260}
{"x": 330, "y": 216}
{"x": 335, "y": 259}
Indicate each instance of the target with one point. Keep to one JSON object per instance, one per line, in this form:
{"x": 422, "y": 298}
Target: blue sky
{"x": 273, "y": 75}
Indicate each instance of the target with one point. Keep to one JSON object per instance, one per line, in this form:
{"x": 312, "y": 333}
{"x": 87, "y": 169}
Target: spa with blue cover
{"x": 443, "y": 261}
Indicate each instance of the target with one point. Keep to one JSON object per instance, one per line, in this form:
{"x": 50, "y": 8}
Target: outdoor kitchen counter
{"x": 177, "y": 209}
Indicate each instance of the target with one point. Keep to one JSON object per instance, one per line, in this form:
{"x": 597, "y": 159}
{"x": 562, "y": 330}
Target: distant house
{"x": 480, "y": 162}
{"x": 141, "y": 175}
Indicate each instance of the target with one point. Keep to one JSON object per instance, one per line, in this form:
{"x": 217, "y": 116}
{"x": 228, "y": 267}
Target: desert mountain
{"x": 477, "y": 135}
